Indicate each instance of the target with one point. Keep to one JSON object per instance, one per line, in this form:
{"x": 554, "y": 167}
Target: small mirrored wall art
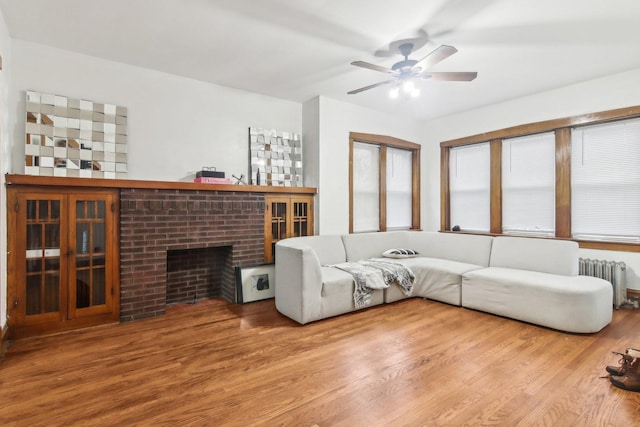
{"x": 74, "y": 137}
{"x": 275, "y": 157}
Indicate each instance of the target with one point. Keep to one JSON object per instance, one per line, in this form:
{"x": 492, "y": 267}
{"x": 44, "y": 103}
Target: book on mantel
{"x": 211, "y": 180}
{"x": 209, "y": 172}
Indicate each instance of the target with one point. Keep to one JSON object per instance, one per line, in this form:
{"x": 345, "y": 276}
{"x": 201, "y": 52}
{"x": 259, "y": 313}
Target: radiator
{"x": 611, "y": 271}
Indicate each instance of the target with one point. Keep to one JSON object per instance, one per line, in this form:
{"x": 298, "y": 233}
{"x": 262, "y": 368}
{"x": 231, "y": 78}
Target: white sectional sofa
{"x": 528, "y": 279}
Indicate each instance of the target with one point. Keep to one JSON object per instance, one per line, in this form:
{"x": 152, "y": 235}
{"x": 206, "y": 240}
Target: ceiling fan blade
{"x": 373, "y": 67}
{"x": 454, "y": 76}
{"x": 362, "y": 89}
{"x": 435, "y": 56}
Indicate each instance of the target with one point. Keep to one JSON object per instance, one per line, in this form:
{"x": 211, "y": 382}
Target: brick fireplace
{"x": 166, "y": 234}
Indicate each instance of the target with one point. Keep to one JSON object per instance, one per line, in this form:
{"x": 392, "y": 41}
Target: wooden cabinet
{"x": 286, "y": 216}
{"x": 63, "y": 259}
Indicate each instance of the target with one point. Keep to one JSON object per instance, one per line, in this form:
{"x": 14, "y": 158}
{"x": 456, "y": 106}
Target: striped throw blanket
{"x": 376, "y": 273}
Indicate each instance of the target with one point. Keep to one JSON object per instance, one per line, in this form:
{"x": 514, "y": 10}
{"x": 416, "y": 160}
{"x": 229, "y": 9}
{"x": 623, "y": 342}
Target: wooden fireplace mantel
{"x": 15, "y": 179}
{"x": 155, "y": 217}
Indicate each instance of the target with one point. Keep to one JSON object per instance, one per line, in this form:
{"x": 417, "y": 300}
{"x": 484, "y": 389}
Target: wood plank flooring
{"x": 410, "y": 363}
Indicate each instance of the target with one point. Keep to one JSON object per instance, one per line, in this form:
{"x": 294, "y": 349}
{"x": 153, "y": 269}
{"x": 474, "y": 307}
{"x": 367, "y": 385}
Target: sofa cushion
{"x": 569, "y": 303}
{"x": 335, "y": 281}
{"x": 542, "y": 255}
{"x": 465, "y": 248}
{"x": 337, "y": 293}
{"x": 361, "y": 246}
{"x": 436, "y": 279}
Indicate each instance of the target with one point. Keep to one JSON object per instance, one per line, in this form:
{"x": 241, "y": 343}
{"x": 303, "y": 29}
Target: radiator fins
{"x": 611, "y": 271}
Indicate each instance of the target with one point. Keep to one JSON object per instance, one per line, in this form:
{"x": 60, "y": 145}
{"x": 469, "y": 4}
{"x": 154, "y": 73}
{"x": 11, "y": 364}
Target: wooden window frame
{"x": 562, "y": 128}
{"x": 384, "y": 142}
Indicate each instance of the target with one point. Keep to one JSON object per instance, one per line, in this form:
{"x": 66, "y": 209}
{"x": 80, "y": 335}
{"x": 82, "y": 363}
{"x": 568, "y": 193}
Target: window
{"x": 399, "y": 188}
{"x": 571, "y": 178}
{"x": 605, "y": 181}
{"x": 469, "y": 182}
{"x": 529, "y": 185}
{"x": 366, "y": 188}
{"x": 384, "y": 183}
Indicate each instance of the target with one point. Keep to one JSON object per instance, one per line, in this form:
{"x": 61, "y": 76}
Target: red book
{"x": 210, "y": 180}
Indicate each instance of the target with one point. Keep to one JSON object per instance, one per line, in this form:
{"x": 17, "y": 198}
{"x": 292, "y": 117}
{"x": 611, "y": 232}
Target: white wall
{"x": 328, "y": 153}
{"x": 310, "y": 150}
{"x": 175, "y": 125}
{"x": 607, "y": 93}
{"x": 5, "y": 157}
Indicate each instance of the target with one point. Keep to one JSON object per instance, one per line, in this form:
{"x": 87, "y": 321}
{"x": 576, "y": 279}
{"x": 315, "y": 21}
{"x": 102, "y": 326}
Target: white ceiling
{"x": 299, "y": 49}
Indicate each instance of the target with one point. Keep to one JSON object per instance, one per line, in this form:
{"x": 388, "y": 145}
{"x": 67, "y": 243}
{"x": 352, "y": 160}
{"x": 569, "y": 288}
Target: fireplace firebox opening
{"x": 194, "y": 274}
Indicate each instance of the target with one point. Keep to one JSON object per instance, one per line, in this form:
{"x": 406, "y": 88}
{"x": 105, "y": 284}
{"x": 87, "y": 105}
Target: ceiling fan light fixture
{"x": 404, "y": 73}
{"x": 408, "y": 86}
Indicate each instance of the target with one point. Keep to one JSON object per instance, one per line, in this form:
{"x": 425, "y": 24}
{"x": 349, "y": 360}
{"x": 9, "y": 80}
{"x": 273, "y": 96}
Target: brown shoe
{"x": 631, "y": 379}
{"x": 625, "y": 360}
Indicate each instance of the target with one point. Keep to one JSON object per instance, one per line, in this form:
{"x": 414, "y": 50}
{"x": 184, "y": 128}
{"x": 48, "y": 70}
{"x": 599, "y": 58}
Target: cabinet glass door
{"x": 62, "y": 271}
{"x": 286, "y": 217}
{"x": 42, "y": 295}
{"x": 300, "y": 220}
{"x": 275, "y": 225}
{"x": 89, "y": 293}
{"x": 278, "y": 224}
{"x": 278, "y": 220}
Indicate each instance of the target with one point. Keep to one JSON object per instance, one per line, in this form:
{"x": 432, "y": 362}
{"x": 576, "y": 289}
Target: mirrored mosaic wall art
{"x": 275, "y": 157}
{"x": 74, "y": 137}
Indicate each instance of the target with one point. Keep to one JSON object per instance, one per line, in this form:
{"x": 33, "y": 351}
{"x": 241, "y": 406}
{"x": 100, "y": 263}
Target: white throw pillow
{"x": 399, "y": 253}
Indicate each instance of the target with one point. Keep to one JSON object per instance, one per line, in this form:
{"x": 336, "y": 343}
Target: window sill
{"x": 584, "y": 244}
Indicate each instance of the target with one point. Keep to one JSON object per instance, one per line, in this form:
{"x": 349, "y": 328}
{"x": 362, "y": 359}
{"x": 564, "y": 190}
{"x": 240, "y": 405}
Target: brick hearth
{"x": 153, "y": 222}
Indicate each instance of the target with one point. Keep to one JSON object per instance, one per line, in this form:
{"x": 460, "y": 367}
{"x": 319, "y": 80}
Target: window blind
{"x": 605, "y": 181}
{"x": 366, "y": 187}
{"x": 528, "y": 185}
{"x": 469, "y": 186}
{"x": 399, "y": 188}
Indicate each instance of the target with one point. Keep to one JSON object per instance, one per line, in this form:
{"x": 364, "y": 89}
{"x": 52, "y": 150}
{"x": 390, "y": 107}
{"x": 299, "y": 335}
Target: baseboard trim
{"x": 633, "y": 292}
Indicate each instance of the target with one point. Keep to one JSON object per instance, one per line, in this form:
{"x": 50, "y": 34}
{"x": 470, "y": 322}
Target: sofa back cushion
{"x": 371, "y": 245}
{"x": 543, "y": 255}
{"x": 467, "y": 248}
{"x": 329, "y": 249}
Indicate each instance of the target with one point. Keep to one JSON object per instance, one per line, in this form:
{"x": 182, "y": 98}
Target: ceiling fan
{"x": 408, "y": 70}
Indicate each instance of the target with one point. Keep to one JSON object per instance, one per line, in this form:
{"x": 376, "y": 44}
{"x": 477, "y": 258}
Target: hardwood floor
{"x": 410, "y": 363}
